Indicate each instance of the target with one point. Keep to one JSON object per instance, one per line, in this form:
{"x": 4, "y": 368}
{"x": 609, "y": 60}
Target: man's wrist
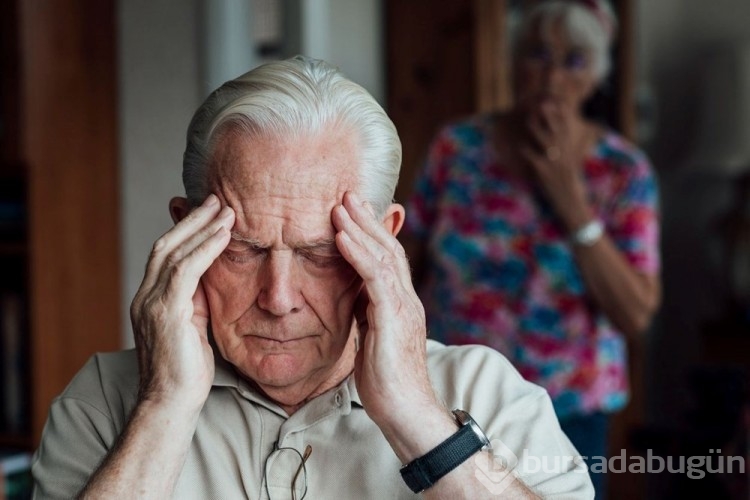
{"x": 411, "y": 434}
{"x": 178, "y": 411}
{"x": 423, "y": 472}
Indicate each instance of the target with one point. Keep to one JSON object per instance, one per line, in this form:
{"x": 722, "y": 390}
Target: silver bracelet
{"x": 588, "y": 234}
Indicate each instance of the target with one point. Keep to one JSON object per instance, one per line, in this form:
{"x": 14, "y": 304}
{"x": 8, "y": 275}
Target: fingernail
{"x": 211, "y": 200}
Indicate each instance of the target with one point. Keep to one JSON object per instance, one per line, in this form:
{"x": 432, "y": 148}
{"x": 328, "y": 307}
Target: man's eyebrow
{"x": 321, "y": 243}
{"x": 247, "y": 239}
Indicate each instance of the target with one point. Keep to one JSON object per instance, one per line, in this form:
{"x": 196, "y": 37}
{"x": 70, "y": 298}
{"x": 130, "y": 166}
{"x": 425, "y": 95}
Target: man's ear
{"x": 178, "y": 208}
{"x": 394, "y": 218}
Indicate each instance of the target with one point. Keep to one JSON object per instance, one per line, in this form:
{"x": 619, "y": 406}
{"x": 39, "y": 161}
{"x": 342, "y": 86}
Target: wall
{"x": 158, "y": 87}
{"x": 675, "y": 38}
{"x": 347, "y": 33}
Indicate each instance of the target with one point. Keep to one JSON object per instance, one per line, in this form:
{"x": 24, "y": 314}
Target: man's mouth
{"x": 269, "y": 341}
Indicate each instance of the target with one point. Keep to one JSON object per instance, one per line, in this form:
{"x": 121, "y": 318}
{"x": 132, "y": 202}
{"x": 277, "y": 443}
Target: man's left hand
{"x": 391, "y": 366}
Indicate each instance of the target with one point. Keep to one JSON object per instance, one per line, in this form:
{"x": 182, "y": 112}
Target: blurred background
{"x": 96, "y": 96}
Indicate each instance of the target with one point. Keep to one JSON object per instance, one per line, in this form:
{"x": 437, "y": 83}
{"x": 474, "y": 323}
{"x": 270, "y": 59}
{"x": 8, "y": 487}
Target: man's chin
{"x": 283, "y": 378}
{"x": 278, "y": 369}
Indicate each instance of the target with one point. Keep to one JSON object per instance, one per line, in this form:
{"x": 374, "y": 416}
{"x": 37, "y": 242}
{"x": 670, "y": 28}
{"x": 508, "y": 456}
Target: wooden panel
{"x": 69, "y": 144}
{"x": 431, "y": 73}
{"x": 492, "y": 52}
{"x": 625, "y": 63}
{"x": 633, "y": 416}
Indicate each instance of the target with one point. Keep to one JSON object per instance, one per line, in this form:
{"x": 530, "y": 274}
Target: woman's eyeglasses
{"x": 573, "y": 61}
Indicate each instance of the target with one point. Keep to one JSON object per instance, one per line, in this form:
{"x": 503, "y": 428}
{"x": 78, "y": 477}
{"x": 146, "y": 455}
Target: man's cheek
{"x": 347, "y": 299}
{"x": 226, "y": 291}
{"x": 346, "y": 280}
{"x": 223, "y": 276}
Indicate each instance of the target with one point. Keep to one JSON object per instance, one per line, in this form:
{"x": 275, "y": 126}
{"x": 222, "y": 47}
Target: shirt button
{"x": 337, "y": 399}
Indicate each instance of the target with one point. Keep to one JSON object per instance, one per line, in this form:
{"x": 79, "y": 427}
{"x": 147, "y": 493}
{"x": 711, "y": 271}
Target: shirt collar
{"x": 353, "y": 393}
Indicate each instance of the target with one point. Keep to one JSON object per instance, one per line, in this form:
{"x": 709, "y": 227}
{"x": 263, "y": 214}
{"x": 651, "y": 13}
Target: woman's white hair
{"x": 591, "y": 27}
{"x": 289, "y": 99}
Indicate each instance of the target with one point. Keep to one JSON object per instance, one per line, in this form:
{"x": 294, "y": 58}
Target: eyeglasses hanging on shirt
{"x": 285, "y": 469}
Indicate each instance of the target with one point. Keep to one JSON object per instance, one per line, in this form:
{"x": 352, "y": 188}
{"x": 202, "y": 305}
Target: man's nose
{"x": 280, "y": 291}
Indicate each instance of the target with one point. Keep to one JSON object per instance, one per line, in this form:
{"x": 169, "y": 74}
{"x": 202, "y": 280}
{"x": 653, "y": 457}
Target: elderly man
{"x": 280, "y": 347}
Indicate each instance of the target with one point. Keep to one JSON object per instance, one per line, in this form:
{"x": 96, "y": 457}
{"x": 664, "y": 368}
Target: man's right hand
{"x": 170, "y": 321}
{"x": 169, "y": 312}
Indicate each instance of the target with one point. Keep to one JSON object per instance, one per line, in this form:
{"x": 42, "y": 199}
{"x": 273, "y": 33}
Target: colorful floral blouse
{"x": 501, "y": 272}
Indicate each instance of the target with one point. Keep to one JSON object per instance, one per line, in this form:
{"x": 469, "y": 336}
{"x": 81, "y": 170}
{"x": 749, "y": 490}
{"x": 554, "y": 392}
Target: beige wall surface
{"x": 159, "y": 89}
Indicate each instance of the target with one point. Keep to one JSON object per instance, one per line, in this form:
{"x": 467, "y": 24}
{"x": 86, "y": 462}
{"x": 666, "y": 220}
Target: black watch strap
{"x": 423, "y": 472}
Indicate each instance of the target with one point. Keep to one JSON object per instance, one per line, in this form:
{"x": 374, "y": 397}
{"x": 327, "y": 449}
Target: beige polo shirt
{"x": 245, "y": 446}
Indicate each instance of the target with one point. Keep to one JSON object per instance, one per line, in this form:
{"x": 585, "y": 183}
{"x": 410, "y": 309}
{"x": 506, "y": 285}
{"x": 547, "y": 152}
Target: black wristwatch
{"x": 424, "y": 471}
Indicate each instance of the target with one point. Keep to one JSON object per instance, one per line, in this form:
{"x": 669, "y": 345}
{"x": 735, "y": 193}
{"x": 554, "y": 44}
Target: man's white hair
{"x": 290, "y": 99}
{"x": 592, "y": 29}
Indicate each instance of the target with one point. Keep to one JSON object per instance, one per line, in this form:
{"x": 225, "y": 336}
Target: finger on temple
{"x": 352, "y": 251}
{"x": 343, "y": 221}
{"x": 198, "y": 219}
{"x": 374, "y": 239}
{"x": 379, "y": 275}
{"x": 361, "y": 214}
{"x": 194, "y": 219}
{"x": 225, "y": 218}
{"x": 183, "y": 281}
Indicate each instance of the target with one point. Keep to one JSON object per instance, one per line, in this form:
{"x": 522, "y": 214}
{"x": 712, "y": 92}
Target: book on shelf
{"x": 15, "y": 475}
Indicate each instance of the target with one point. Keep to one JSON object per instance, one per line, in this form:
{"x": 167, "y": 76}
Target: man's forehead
{"x": 317, "y": 166}
{"x": 305, "y": 196}
{"x": 284, "y": 189}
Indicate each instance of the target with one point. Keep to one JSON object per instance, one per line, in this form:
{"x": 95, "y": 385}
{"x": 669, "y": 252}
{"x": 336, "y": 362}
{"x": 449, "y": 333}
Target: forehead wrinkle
{"x": 265, "y": 186}
{"x": 262, "y": 163}
{"x": 294, "y": 164}
{"x": 282, "y": 191}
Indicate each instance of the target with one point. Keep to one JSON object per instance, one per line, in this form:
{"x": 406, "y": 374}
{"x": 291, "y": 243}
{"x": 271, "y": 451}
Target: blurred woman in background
{"x": 535, "y": 231}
